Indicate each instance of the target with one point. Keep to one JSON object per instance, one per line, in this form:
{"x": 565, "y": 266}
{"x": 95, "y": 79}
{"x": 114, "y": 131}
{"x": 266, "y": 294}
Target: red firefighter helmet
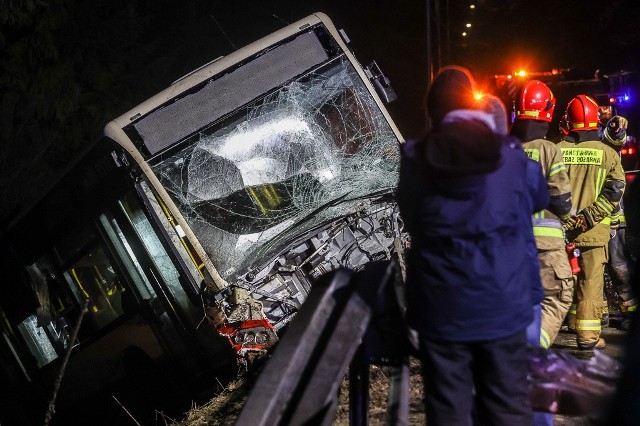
{"x": 582, "y": 113}
{"x": 535, "y": 101}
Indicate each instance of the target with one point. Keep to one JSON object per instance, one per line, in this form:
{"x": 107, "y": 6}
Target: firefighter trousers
{"x": 557, "y": 281}
{"x": 587, "y": 296}
{"x": 621, "y": 270}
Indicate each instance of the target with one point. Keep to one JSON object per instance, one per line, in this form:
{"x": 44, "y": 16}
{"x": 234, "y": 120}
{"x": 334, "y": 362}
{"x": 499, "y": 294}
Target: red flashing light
{"x": 628, "y": 151}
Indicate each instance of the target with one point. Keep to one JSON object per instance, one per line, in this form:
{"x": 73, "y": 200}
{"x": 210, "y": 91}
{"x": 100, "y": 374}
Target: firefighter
{"x": 613, "y": 132}
{"x": 597, "y": 186}
{"x": 534, "y": 107}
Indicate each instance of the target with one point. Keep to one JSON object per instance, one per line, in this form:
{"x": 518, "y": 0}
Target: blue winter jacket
{"x": 466, "y": 196}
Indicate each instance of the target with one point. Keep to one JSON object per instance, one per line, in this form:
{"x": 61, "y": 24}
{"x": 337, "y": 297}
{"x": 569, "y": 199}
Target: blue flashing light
{"x": 620, "y": 99}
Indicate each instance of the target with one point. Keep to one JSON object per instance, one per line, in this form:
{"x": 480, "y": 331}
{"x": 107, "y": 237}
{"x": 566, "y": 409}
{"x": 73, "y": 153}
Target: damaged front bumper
{"x": 266, "y": 295}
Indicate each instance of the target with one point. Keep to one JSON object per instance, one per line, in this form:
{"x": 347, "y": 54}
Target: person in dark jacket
{"x": 466, "y": 197}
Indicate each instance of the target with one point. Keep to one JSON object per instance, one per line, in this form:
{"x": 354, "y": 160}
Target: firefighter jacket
{"x": 547, "y": 224}
{"x": 618, "y": 220}
{"x": 597, "y": 185}
{"x": 615, "y": 141}
{"x": 466, "y": 196}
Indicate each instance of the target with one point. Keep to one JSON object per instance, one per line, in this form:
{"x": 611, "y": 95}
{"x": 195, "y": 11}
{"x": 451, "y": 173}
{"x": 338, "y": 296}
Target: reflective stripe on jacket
{"x": 547, "y": 225}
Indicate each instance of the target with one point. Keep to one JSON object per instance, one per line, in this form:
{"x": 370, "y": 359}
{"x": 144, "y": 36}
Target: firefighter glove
{"x": 578, "y": 222}
{"x": 617, "y": 123}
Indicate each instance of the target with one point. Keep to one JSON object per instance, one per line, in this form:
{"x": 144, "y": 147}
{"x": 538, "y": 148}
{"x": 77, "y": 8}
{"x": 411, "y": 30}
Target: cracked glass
{"x": 281, "y": 164}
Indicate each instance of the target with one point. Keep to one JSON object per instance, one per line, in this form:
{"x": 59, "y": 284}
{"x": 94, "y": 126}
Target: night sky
{"x": 113, "y": 54}
{"x": 504, "y": 36}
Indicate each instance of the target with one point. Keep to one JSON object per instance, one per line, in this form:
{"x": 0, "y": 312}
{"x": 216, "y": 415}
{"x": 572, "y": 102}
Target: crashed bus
{"x": 191, "y": 232}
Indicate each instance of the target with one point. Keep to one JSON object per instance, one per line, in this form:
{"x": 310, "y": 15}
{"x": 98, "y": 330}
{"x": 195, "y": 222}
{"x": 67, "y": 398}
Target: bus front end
{"x": 268, "y": 168}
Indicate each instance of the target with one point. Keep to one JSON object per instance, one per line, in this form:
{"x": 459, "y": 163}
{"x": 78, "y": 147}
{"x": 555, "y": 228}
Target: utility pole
{"x": 447, "y": 54}
{"x": 428, "y": 43}
{"x": 438, "y": 41}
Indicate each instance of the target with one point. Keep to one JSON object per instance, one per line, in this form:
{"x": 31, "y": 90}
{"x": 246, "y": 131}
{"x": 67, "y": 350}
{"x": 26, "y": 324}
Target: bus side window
{"x": 93, "y": 277}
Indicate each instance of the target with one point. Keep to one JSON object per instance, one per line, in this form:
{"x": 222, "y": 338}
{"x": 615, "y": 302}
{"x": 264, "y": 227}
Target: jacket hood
{"x": 465, "y": 144}
{"x": 494, "y": 106}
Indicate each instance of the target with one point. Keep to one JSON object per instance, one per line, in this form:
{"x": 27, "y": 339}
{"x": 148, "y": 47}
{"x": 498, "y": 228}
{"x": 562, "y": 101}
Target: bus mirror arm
{"x": 381, "y": 82}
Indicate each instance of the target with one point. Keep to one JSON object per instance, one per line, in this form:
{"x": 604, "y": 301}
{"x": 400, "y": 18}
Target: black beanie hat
{"x": 452, "y": 88}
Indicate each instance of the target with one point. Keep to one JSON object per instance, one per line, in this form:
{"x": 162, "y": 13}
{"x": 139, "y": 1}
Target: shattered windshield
{"x": 248, "y": 179}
